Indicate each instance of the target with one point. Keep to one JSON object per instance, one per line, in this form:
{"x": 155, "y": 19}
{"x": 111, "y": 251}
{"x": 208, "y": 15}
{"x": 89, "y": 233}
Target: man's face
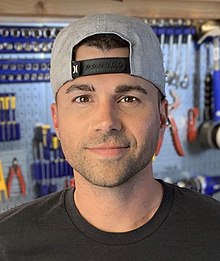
{"x": 108, "y": 124}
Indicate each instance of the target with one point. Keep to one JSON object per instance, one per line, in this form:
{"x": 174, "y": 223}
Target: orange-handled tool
{"x": 175, "y": 137}
{"x": 15, "y": 170}
{"x": 193, "y": 115}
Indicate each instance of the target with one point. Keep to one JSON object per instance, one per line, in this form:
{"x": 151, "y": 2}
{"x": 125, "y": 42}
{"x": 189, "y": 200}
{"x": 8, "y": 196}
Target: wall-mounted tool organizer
{"x": 51, "y": 172}
{"x": 24, "y": 70}
{"x": 9, "y": 127}
{"x": 27, "y": 39}
{"x": 186, "y": 65}
{"x": 16, "y": 195}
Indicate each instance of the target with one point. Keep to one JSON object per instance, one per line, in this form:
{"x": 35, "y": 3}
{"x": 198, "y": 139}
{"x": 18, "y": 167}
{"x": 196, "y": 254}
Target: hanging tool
{"x": 15, "y": 170}
{"x": 215, "y": 34}
{"x": 161, "y": 31}
{"x": 2, "y": 120}
{"x": 7, "y": 117}
{"x": 36, "y": 165}
{"x": 56, "y": 156}
{"x": 46, "y": 139}
{"x": 45, "y": 158}
{"x": 44, "y": 188}
{"x": 216, "y": 79}
{"x": 9, "y": 128}
{"x": 172, "y": 124}
{"x": 193, "y": 113}
{"x": 15, "y": 130}
{"x": 178, "y": 33}
{"x": 208, "y": 185}
{"x": 188, "y": 32}
{"x": 42, "y": 140}
{"x": 209, "y": 131}
{"x": 170, "y": 73}
{"x": 173, "y": 127}
{"x": 40, "y": 171}
{"x": 52, "y": 185}
{"x": 54, "y": 164}
{"x": 3, "y": 188}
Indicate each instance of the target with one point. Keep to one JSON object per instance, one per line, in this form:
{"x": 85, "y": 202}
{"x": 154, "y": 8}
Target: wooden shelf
{"x": 65, "y": 10}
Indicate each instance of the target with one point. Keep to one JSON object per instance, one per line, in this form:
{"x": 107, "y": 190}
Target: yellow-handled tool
{"x": 3, "y": 188}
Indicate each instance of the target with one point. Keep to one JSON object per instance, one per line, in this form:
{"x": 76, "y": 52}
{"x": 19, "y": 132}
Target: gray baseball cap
{"x": 146, "y": 59}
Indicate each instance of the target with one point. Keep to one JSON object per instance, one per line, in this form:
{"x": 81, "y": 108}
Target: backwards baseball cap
{"x": 145, "y": 56}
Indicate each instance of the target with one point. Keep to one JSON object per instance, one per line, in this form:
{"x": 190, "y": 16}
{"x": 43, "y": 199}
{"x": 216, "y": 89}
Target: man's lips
{"x": 108, "y": 150}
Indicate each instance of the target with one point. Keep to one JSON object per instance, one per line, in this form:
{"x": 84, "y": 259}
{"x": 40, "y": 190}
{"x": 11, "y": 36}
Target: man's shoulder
{"x": 31, "y": 211}
{"x": 195, "y": 201}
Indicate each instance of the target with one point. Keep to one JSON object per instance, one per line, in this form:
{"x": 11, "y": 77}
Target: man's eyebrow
{"x": 80, "y": 87}
{"x": 130, "y": 88}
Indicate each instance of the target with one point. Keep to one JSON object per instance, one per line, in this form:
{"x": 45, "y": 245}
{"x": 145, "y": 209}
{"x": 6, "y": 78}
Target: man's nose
{"x": 107, "y": 118}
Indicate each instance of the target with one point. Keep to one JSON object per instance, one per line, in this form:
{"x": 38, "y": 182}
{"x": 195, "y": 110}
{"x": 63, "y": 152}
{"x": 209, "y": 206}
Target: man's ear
{"x": 163, "y": 114}
{"x": 163, "y": 123}
{"x": 54, "y": 113}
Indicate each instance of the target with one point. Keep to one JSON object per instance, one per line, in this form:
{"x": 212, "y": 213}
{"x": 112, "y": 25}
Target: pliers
{"x": 173, "y": 127}
{"x": 15, "y": 170}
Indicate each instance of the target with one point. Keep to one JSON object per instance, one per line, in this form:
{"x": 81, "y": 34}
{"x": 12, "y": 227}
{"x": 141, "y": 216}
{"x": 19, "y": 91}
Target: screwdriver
{"x": 46, "y": 141}
{"x": 15, "y": 125}
{"x": 2, "y": 122}
{"x": 6, "y": 117}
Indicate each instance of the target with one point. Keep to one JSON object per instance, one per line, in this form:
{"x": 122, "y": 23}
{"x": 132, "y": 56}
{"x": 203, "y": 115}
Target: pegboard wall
{"x": 198, "y": 160}
{"x": 33, "y": 101}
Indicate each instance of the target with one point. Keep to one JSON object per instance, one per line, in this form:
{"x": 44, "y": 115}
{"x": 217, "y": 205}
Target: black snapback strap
{"x": 100, "y": 66}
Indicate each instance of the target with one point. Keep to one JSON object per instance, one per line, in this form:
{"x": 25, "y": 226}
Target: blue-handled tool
{"x": 53, "y": 185}
{"x": 15, "y": 131}
{"x": 7, "y": 117}
{"x": 44, "y": 188}
{"x": 208, "y": 185}
{"x": 216, "y": 79}
{"x": 2, "y": 122}
{"x": 46, "y": 135}
{"x": 215, "y": 34}
{"x": 40, "y": 167}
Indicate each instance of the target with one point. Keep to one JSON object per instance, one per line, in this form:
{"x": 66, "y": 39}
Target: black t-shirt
{"x": 185, "y": 227}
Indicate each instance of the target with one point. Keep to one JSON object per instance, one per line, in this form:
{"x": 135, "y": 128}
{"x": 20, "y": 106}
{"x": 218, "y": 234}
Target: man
{"x": 108, "y": 81}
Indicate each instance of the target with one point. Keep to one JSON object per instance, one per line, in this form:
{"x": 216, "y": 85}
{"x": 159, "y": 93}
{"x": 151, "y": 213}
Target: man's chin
{"x": 109, "y": 183}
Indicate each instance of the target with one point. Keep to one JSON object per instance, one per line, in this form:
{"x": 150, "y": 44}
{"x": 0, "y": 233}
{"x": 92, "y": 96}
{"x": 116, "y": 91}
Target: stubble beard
{"x": 111, "y": 172}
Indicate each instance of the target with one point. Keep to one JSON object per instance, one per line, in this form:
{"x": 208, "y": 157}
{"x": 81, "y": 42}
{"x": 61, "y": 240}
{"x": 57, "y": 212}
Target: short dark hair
{"x": 103, "y": 42}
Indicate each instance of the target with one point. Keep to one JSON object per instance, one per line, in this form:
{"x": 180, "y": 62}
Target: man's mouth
{"x": 109, "y": 150}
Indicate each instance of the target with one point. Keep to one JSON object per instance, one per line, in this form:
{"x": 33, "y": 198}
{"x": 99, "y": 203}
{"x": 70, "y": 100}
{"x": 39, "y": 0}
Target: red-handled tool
{"x": 173, "y": 127}
{"x": 194, "y": 112}
{"x": 175, "y": 136}
{"x": 192, "y": 130}
{"x": 15, "y": 170}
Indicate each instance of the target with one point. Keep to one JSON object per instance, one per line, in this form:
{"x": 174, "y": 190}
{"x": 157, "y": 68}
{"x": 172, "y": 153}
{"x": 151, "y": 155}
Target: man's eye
{"x": 129, "y": 99}
{"x": 82, "y": 99}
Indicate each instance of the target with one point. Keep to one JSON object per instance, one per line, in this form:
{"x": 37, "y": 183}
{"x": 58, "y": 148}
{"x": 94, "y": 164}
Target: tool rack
{"x": 24, "y": 71}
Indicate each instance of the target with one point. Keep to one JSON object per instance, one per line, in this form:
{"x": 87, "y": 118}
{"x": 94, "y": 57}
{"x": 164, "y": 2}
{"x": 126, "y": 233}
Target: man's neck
{"x": 119, "y": 209}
